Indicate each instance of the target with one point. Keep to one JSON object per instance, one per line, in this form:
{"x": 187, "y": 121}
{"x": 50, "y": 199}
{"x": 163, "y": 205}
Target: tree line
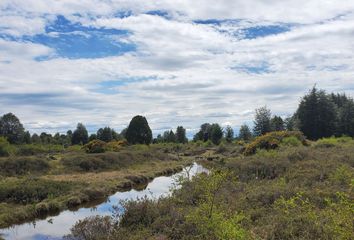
{"x": 318, "y": 115}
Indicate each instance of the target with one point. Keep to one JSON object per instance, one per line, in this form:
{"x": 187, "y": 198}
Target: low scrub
{"x": 333, "y": 142}
{"x": 25, "y": 191}
{"x": 289, "y": 193}
{"x": 33, "y": 149}
{"x": 273, "y": 140}
{"x": 23, "y": 165}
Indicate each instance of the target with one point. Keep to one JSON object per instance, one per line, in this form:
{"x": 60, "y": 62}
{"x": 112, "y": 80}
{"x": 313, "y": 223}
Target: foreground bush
{"x": 273, "y": 140}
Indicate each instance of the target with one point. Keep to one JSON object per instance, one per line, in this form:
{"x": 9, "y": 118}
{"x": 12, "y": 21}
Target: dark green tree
{"x": 346, "y": 119}
{"x": 291, "y": 123}
{"x": 116, "y": 136}
{"x": 204, "y": 133}
{"x": 56, "y": 138}
{"x": 69, "y": 135}
{"x": 317, "y": 115}
{"x": 123, "y": 133}
{"x": 46, "y": 138}
{"x": 169, "y": 136}
{"x": 159, "y": 139}
{"x": 92, "y": 137}
{"x": 11, "y": 128}
{"x": 277, "y": 123}
{"x": 105, "y": 134}
{"x": 138, "y": 131}
{"x": 229, "y": 134}
{"x": 216, "y": 133}
{"x": 27, "y": 138}
{"x": 245, "y": 133}
{"x": 35, "y": 139}
{"x": 181, "y": 135}
{"x": 262, "y": 122}
{"x": 80, "y": 135}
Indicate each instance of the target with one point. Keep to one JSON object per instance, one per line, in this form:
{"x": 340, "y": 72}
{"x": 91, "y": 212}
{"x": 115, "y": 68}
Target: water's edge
{"x": 54, "y": 227}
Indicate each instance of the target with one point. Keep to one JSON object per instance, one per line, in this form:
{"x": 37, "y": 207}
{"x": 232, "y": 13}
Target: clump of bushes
{"x": 95, "y": 146}
{"x": 22, "y": 165}
{"x": 273, "y": 140}
{"x": 98, "y": 146}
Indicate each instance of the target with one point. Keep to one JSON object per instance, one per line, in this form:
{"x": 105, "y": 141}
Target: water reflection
{"x": 54, "y": 228}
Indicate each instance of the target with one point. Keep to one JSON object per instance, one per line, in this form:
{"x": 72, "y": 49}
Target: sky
{"x": 177, "y": 62}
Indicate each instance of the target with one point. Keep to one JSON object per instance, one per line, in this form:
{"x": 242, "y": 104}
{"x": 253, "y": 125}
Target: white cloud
{"x": 190, "y": 69}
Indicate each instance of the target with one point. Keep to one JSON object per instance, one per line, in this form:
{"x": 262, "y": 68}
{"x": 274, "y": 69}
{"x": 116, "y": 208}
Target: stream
{"x": 55, "y": 227}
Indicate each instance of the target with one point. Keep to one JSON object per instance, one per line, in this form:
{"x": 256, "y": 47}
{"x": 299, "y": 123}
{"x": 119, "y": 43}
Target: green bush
{"x": 22, "y": 165}
{"x": 326, "y": 142}
{"x": 333, "y": 142}
{"x": 273, "y": 140}
{"x": 5, "y": 148}
{"x": 291, "y": 141}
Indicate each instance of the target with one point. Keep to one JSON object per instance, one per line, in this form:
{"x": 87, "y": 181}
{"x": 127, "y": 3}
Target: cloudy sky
{"x": 178, "y": 62}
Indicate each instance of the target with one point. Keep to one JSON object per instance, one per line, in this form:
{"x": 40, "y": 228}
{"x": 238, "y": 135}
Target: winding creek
{"x": 56, "y": 227}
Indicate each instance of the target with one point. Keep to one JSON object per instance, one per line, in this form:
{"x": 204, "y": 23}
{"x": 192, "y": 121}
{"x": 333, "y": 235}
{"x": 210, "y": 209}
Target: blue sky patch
{"x": 263, "y": 31}
{"x": 72, "y": 40}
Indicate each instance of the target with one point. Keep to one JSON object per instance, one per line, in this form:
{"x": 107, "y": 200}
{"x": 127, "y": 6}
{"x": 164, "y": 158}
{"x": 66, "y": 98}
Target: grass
{"x": 291, "y": 192}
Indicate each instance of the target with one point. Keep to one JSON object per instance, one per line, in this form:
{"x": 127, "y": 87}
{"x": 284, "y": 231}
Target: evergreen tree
{"x": 35, "y": 139}
{"x": 116, "y": 136}
{"x": 139, "y": 131}
{"x": 105, "y": 134}
{"x": 123, "y": 133}
{"x": 229, "y": 134}
{"x": 159, "y": 139}
{"x": 290, "y": 123}
{"x": 277, "y": 124}
{"x": 262, "y": 122}
{"x": 204, "y": 133}
{"x": 56, "y": 138}
{"x": 80, "y": 135}
{"x": 245, "y": 133}
{"x": 45, "y": 138}
{"x": 216, "y": 133}
{"x": 181, "y": 135}
{"x": 317, "y": 115}
{"x": 92, "y": 137}
{"x": 346, "y": 119}
{"x": 11, "y": 128}
{"x": 169, "y": 136}
{"x": 27, "y": 138}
